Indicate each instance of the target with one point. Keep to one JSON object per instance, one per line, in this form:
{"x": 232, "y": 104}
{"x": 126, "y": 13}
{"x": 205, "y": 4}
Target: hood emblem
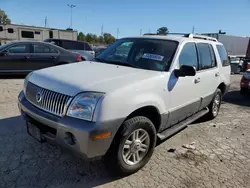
{"x": 39, "y": 96}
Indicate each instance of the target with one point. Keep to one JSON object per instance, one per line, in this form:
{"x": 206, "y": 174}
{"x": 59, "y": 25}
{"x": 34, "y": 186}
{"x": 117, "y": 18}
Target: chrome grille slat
{"x": 52, "y": 102}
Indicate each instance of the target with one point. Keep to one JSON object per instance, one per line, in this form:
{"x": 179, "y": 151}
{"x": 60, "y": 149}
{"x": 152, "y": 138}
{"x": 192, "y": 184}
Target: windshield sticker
{"x": 153, "y": 57}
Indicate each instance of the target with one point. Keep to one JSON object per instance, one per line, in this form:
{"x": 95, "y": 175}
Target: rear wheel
{"x": 214, "y": 106}
{"x": 133, "y": 146}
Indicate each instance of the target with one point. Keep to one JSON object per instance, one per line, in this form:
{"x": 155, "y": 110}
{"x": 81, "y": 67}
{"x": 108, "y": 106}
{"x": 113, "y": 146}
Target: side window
{"x": 38, "y": 48}
{"x": 27, "y": 34}
{"x": 223, "y": 55}
{"x": 21, "y": 48}
{"x": 87, "y": 47}
{"x": 214, "y": 62}
{"x": 188, "y": 55}
{"x": 68, "y": 45}
{"x": 205, "y": 56}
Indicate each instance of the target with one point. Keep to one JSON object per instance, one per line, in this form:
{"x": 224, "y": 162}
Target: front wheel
{"x": 215, "y": 104}
{"x": 132, "y": 147}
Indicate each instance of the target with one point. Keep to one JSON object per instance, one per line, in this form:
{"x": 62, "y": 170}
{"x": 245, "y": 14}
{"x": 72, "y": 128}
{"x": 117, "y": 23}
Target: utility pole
{"x": 102, "y": 31}
{"x": 193, "y": 29}
{"x": 140, "y": 31}
{"x": 117, "y": 33}
{"x": 149, "y": 31}
{"x": 45, "y": 24}
{"x": 71, "y": 7}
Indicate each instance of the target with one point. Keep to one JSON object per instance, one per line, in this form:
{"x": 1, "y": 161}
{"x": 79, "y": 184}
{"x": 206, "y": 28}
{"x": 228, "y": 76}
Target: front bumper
{"x": 83, "y": 131}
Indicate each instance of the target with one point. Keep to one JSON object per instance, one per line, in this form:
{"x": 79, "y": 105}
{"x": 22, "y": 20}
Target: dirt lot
{"x": 221, "y": 157}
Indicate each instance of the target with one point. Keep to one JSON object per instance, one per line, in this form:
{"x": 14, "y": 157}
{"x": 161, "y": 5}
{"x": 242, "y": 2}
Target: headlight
{"x": 83, "y": 105}
{"x": 247, "y": 75}
{"x": 26, "y": 82}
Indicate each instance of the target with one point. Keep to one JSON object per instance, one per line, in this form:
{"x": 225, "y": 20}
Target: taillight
{"x": 244, "y": 82}
{"x": 79, "y": 58}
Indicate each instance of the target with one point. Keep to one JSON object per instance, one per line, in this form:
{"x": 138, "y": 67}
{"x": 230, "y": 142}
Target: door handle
{"x": 217, "y": 74}
{"x": 197, "y": 80}
{"x": 52, "y": 57}
{"x": 26, "y": 57}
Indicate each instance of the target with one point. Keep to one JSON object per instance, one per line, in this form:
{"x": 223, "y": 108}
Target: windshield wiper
{"x": 100, "y": 60}
{"x": 123, "y": 64}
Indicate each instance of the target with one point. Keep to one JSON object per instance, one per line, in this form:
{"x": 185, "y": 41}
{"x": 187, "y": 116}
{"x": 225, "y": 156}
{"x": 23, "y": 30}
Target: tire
{"x": 243, "y": 91}
{"x": 214, "y": 106}
{"x": 123, "y": 145}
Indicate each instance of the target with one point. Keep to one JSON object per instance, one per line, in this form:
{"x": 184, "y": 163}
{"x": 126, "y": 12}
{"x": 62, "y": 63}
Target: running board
{"x": 183, "y": 124}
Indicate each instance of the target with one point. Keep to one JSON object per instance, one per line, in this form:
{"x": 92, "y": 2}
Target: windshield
{"x": 149, "y": 54}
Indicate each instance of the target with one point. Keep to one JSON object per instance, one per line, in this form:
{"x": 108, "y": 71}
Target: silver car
{"x": 83, "y": 48}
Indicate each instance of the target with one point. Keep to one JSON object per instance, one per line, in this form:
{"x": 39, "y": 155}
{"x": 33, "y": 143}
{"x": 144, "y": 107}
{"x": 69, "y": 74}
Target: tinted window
{"x": 37, "y": 32}
{"x": 1, "y": 28}
{"x": 68, "y": 45}
{"x": 214, "y": 63}
{"x": 38, "y": 48}
{"x": 223, "y": 55}
{"x": 27, "y": 34}
{"x": 188, "y": 55}
{"x": 10, "y": 30}
{"x": 88, "y": 47}
{"x": 21, "y": 48}
{"x": 205, "y": 56}
{"x": 149, "y": 54}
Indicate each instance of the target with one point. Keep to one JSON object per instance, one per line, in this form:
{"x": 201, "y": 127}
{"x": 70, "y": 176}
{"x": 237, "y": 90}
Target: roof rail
{"x": 188, "y": 35}
{"x": 202, "y": 37}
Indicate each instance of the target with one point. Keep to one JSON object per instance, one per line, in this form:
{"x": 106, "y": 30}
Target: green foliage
{"x": 162, "y": 31}
{"x": 107, "y": 38}
{"x": 4, "y": 19}
{"x": 81, "y": 36}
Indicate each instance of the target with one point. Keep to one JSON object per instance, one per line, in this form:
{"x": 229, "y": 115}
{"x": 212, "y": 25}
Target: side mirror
{"x": 185, "y": 70}
{"x": 4, "y": 53}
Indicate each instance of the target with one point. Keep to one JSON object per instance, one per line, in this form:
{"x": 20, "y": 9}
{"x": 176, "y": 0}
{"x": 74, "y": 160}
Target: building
{"x": 14, "y": 32}
{"x": 235, "y": 45}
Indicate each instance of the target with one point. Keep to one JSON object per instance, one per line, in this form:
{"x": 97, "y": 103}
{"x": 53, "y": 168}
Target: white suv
{"x": 137, "y": 90}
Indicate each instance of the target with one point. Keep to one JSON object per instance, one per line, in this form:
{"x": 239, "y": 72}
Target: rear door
{"x": 207, "y": 77}
{"x": 16, "y": 58}
{"x": 43, "y": 56}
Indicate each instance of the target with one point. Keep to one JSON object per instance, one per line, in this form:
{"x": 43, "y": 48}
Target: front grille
{"x": 47, "y": 100}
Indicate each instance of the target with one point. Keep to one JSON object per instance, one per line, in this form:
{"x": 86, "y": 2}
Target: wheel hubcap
{"x": 136, "y": 147}
{"x": 216, "y": 105}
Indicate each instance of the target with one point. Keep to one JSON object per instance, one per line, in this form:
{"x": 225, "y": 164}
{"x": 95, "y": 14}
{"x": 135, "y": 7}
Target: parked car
{"x": 236, "y": 64}
{"x": 99, "y": 50}
{"x": 24, "y": 57}
{"x": 83, "y": 48}
{"x": 139, "y": 89}
{"x": 245, "y": 82}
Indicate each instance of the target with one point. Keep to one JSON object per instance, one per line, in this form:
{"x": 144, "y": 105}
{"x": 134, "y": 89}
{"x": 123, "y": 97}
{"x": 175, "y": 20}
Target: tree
{"x": 81, "y": 36}
{"x": 4, "y": 19}
{"x": 108, "y": 38}
{"x": 162, "y": 31}
{"x": 101, "y": 39}
{"x": 89, "y": 38}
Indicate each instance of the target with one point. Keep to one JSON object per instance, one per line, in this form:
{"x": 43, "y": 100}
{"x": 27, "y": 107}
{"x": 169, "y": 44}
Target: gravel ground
{"x": 220, "y": 156}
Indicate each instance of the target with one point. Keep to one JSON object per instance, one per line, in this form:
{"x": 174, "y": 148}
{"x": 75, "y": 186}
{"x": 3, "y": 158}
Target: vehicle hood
{"x": 74, "y": 78}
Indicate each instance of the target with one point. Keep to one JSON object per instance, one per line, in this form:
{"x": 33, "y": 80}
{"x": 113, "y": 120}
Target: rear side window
{"x": 206, "y": 56}
{"x": 87, "y": 47}
{"x": 223, "y": 55}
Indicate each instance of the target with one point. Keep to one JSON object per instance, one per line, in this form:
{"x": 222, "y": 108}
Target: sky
{"x": 132, "y": 16}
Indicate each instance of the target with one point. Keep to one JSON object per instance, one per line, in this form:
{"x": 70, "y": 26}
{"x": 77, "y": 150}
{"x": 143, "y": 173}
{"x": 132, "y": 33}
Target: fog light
{"x": 70, "y": 138}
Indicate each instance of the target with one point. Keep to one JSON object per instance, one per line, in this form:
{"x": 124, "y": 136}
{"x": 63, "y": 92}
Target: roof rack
{"x": 188, "y": 35}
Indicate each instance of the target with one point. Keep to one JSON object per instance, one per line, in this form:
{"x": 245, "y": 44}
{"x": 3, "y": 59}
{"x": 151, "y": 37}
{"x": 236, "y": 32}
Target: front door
{"x": 15, "y": 59}
{"x": 184, "y": 96}
{"x": 43, "y": 56}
